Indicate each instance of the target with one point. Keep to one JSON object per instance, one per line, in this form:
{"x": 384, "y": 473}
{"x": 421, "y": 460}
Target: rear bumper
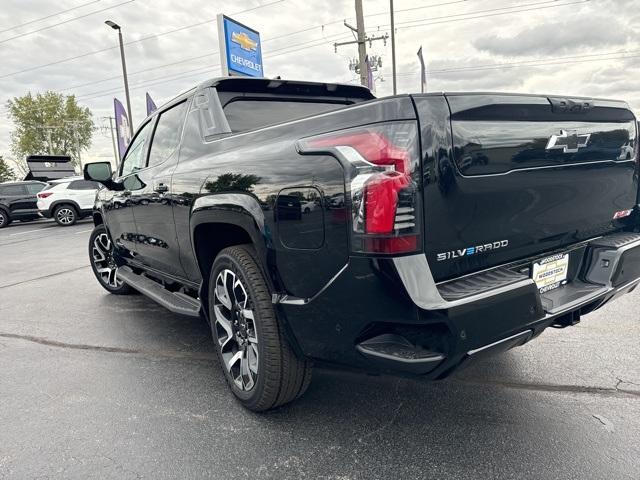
{"x": 389, "y": 315}
{"x": 45, "y": 213}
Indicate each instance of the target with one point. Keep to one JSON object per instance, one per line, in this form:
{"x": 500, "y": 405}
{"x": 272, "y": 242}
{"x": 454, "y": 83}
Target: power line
{"x": 532, "y": 63}
{"x": 191, "y": 59}
{"x": 94, "y": 52}
{"x": 537, "y": 6}
{"x": 155, "y": 35}
{"x": 65, "y": 21}
{"x": 198, "y": 71}
{"x": 48, "y": 16}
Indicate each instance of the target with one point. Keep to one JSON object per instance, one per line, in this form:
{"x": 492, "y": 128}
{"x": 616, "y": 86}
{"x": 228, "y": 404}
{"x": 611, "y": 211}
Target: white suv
{"x": 67, "y": 200}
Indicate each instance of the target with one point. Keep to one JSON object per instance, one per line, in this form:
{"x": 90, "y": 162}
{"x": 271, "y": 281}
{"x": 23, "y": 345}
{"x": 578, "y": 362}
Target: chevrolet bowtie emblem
{"x": 568, "y": 140}
{"x": 245, "y": 42}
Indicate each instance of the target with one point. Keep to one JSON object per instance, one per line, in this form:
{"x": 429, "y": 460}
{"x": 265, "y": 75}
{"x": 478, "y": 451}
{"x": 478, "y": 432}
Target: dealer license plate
{"x": 551, "y": 272}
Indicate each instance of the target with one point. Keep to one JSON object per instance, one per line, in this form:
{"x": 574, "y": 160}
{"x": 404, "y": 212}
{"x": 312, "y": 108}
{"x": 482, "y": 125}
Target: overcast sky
{"x": 565, "y": 47}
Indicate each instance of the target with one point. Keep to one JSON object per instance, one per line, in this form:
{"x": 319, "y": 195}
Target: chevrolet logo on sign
{"x": 568, "y": 140}
{"x": 245, "y": 42}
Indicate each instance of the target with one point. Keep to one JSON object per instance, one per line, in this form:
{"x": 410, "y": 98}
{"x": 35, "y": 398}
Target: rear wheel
{"x": 65, "y": 215}
{"x": 5, "y": 218}
{"x": 103, "y": 264}
{"x": 259, "y": 365}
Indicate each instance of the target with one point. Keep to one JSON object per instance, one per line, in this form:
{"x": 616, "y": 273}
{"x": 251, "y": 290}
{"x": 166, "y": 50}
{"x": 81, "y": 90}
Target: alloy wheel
{"x": 65, "y": 216}
{"x": 236, "y": 329}
{"x": 102, "y": 257}
{"x": 3, "y": 219}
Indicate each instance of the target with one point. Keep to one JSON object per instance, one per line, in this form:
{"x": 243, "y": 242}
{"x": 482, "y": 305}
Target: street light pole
{"x": 115, "y": 26}
{"x": 393, "y": 47}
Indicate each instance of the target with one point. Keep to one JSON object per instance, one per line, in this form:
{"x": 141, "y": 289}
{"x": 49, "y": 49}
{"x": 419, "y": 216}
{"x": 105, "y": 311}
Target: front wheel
{"x": 103, "y": 264}
{"x": 259, "y": 365}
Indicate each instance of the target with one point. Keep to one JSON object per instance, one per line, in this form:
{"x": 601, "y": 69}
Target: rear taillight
{"x": 382, "y": 163}
{"x": 44, "y": 194}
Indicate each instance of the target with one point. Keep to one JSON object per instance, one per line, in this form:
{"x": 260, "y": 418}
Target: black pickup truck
{"x": 312, "y": 223}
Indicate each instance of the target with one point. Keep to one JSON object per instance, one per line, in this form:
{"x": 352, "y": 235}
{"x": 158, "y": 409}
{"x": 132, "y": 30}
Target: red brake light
{"x": 383, "y": 184}
{"x": 44, "y": 194}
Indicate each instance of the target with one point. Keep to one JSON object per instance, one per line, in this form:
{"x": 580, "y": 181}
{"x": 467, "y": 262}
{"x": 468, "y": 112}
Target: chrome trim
{"x": 291, "y": 300}
{"x": 386, "y": 356}
{"x": 494, "y": 344}
{"x": 400, "y": 226}
{"x": 546, "y": 167}
{"x": 418, "y": 280}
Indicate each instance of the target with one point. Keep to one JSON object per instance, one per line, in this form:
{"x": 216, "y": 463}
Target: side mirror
{"x": 98, "y": 172}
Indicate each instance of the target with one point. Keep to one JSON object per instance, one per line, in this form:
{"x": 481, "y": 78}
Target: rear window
{"x": 251, "y": 114}
{"x": 83, "y": 185}
{"x": 34, "y": 188}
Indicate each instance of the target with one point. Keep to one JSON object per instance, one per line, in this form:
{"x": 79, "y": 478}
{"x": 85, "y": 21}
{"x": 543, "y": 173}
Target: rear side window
{"x": 82, "y": 185}
{"x": 34, "y": 188}
{"x": 13, "y": 190}
{"x": 166, "y": 138}
{"x": 251, "y": 114}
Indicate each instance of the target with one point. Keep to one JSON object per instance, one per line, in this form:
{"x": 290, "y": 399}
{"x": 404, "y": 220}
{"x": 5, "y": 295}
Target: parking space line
{"x": 22, "y": 233}
{"x": 83, "y": 231}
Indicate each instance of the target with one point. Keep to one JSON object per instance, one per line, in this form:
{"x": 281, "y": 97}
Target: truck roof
{"x": 289, "y": 87}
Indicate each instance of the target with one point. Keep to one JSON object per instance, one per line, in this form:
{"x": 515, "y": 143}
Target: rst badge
{"x": 470, "y": 251}
{"x": 568, "y": 140}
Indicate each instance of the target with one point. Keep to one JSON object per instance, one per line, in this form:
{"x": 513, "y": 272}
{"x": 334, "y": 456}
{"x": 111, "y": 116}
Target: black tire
{"x": 5, "y": 218}
{"x": 281, "y": 375}
{"x": 65, "y": 215}
{"x": 97, "y": 242}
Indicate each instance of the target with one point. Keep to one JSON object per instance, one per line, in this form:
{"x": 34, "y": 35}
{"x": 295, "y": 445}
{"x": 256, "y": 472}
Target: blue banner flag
{"x": 122, "y": 127}
{"x": 151, "y": 105}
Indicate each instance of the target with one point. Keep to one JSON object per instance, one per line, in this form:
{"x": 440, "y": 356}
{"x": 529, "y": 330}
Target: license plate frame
{"x": 551, "y": 272}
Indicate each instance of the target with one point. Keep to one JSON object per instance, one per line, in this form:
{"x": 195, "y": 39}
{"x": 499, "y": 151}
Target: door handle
{"x": 161, "y": 188}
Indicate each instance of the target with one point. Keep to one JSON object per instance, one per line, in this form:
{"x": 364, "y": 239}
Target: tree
{"x": 49, "y": 123}
{"x": 6, "y": 174}
{"x": 229, "y": 182}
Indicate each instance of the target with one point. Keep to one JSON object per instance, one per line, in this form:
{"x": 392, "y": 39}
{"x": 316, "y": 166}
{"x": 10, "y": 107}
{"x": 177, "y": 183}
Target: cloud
{"x": 555, "y": 38}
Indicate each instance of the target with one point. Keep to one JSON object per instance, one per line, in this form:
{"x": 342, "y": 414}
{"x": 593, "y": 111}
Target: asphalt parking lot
{"x": 94, "y": 385}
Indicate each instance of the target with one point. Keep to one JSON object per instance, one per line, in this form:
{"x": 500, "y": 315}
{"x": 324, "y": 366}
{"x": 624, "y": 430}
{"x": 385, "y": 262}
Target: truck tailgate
{"x": 521, "y": 176}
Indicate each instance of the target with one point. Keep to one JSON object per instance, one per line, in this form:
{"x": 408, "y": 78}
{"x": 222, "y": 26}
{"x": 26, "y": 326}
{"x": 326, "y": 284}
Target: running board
{"x": 175, "y": 302}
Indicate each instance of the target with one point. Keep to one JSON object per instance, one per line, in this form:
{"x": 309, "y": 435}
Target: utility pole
{"x": 393, "y": 48}
{"x": 49, "y": 142}
{"x": 362, "y": 47}
{"x": 361, "y": 40}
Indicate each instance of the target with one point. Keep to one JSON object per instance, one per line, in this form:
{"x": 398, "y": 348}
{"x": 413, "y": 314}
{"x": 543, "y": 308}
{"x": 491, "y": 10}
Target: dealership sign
{"x": 240, "y": 49}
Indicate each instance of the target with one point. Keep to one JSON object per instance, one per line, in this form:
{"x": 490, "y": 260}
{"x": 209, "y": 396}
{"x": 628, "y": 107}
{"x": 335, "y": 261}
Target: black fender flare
{"x": 239, "y": 209}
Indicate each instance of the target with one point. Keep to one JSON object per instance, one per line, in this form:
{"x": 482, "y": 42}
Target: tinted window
{"x": 34, "y": 188}
{"x": 249, "y": 114}
{"x": 167, "y": 135}
{"x": 82, "y": 185}
{"x": 13, "y": 190}
{"x": 136, "y": 156}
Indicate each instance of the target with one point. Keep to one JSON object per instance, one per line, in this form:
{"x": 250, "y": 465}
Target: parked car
{"x": 67, "y": 200}
{"x": 18, "y": 201}
{"x": 424, "y": 272}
